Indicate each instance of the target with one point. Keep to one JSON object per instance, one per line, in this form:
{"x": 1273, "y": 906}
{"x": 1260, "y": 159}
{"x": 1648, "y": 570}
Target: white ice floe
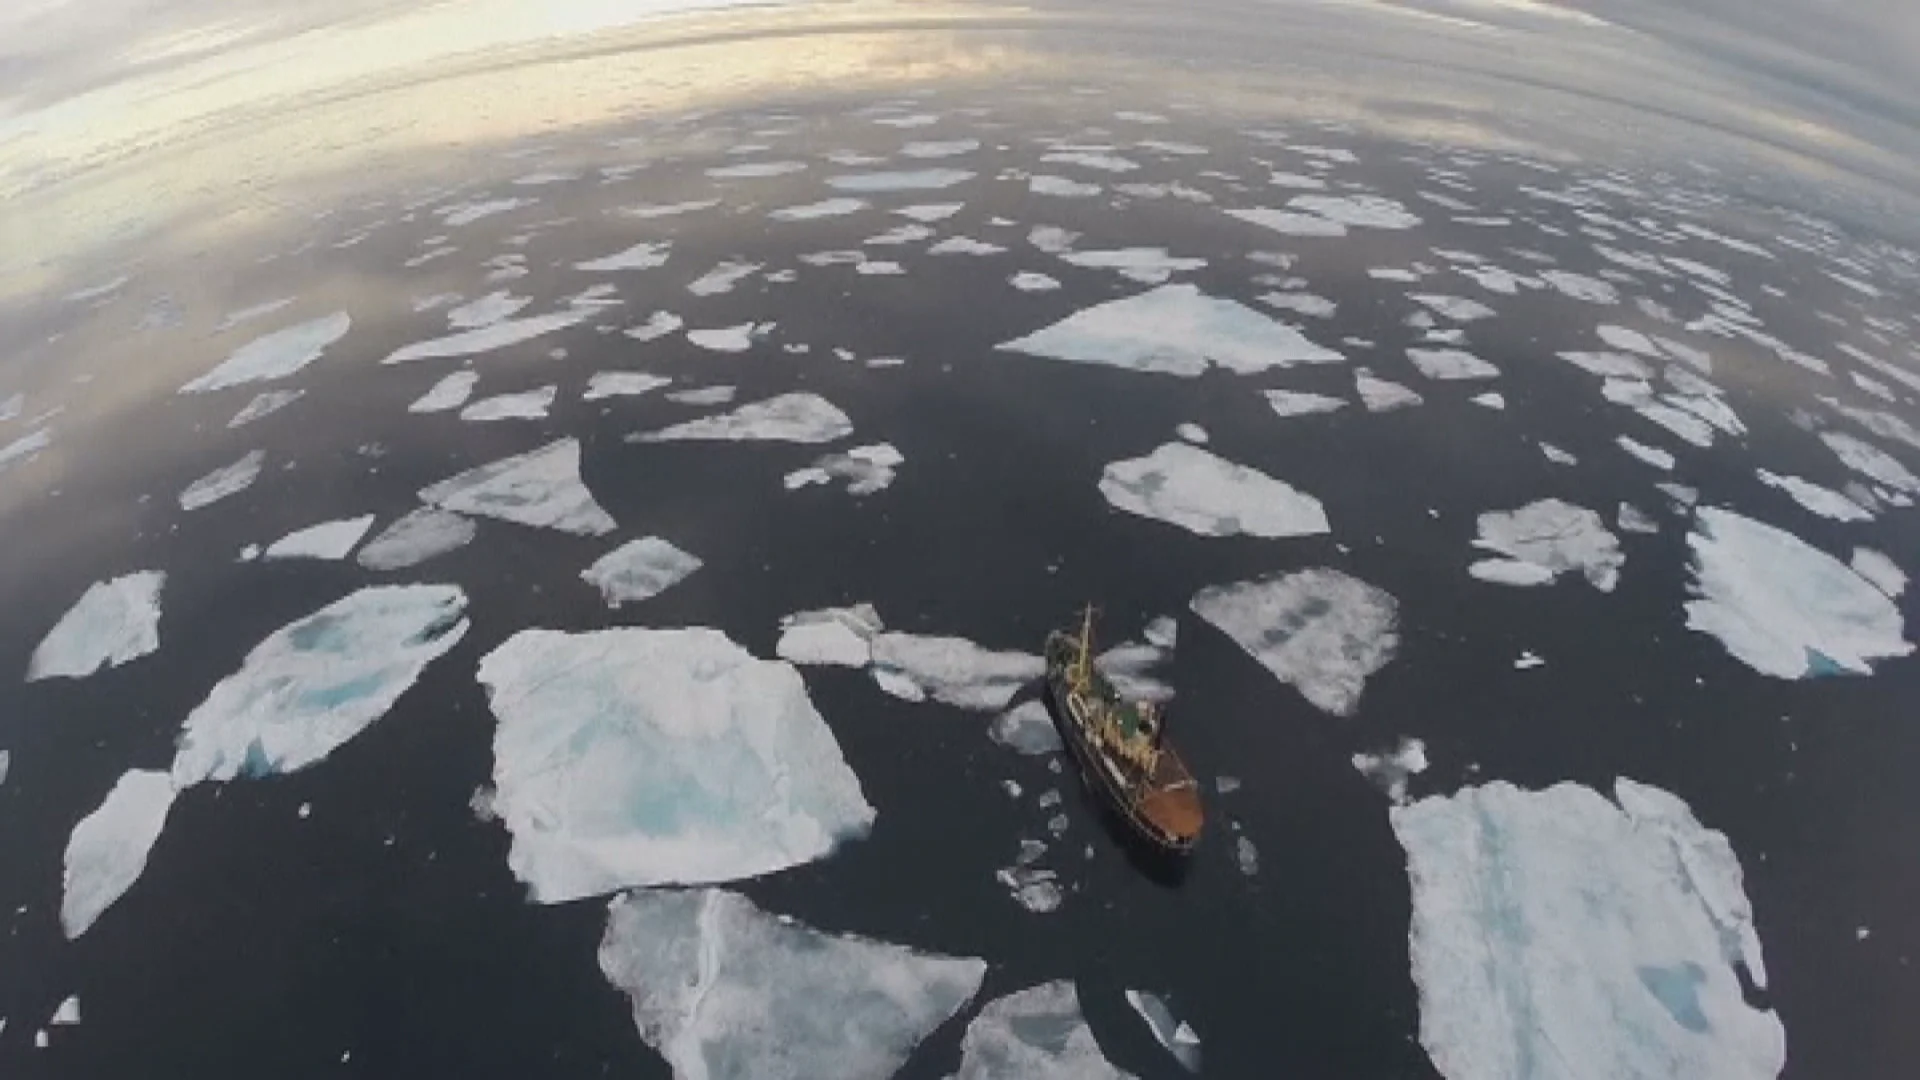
{"x": 606, "y": 384}
{"x": 718, "y": 394}
{"x": 541, "y": 488}
{"x": 825, "y": 208}
{"x": 1357, "y": 211}
{"x": 1289, "y": 222}
{"x": 1175, "y": 1035}
{"x": 1580, "y": 287}
{"x": 1297, "y": 181}
{"x": 964, "y": 245}
{"x": 639, "y": 569}
{"x": 1099, "y": 162}
{"x": 1028, "y": 281}
{"x": 525, "y": 405}
{"x": 318, "y": 681}
{"x": 798, "y": 418}
{"x": 114, "y": 622}
{"x": 224, "y": 481}
{"x": 1390, "y": 769}
{"x": 899, "y": 234}
{"x": 275, "y": 356}
{"x": 1300, "y": 303}
{"x": 1881, "y": 571}
{"x": 1651, "y": 455}
{"x": 1871, "y": 462}
{"x": 108, "y": 848}
{"x": 1034, "y": 1034}
{"x": 1545, "y": 539}
{"x": 488, "y": 338}
{"x": 458, "y": 214}
{"x": 450, "y": 392}
{"x": 415, "y": 538}
{"x": 645, "y": 255}
{"x": 1382, "y": 395}
{"x": 726, "y": 991}
{"x": 1193, "y": 433}
{"x": 725, "y": 339}
{"x": 265, "y": 403}
{"x": 1027, "y": 728}
{"x": 841, "y": 637}
{"x": 1036, "y": 889}
{"x": 1149, "y": 266}
{"x": 1457, "y": 308}
{"x": 1451, "y": 364}
{"x": 1247, "y": 856}
{"x": 1176, "y": 330}
{"x": 1784, "y": 607}
{"x": 1612, "y": 365}
{"x": 951, "y": 670}
{"x": 927, "y": 213}
{"x": 904, "y": 180}
{"x": 753, "y": 170}
{"x": 1557, "y": 933}
{"x": 1187, "y": 486}
{"x": 658, "y": 325}
{"x": 1489, "y": 400}
{"x": 327, "y": 540}
{"x": 1823, "y": 501}
{"x": 1635, "y": 520}
{"x": 866, "y": 469}
{"x": 1060, "y": 187}
{"x": 633, "y": 756}
{"x": 658, "y": 210}
{"x": 722, "y": 278}
{"x": 487, "y": 310}
{"x": 1317, "y": 630}
{"x": 1052, "y": 239}
{"x": 1299, "y": 403}
{"x": 922, "y": 151}
{"x": 1556, "y": 455}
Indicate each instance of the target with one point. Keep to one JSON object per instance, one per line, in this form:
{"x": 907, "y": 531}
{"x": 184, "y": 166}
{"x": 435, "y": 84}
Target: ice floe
{"x": 1881, "y": 571}
{"x": 949, "y": 148}
{"x": 1149, "y": 266}
{"x": 825, "y": 208}
{"x": 449, "y": 393}
{"x": 1034, "y": 1034}
{"x": 1289, "y": 222}
{"x": 1382, "y": 395}
{"x": 1027, "y": 728}
{"x": 633, "y": 756}
{"x": 718, "y": 394}
{"x": 1317, "y": 630}
{"x": 487, "y": 310}
{"x": 722, "y": 278}
{"x": 1357, "y": 211}
{"x": 108, "y": 849}
{"x": 274, "y": 356}
{"x": 1457, "y": 308}
{"x": 524, "y": 405}
{"x": 645, "y": 255}
{"x": 224, "y": 481}
{"x": 1299, "y": 403}
{"x": 1447, "y": 364}
{"x": 965, "y": 245}
{"x": 1489, "y": 400}
{"x": 647, "y": 211}
{"x": 1871, "y": 462}
{"x": 1060, "y": 187}
{"x": 606, "y": 384}
{"x": 1175, "y": 1035}
{"x": 1557, "y": 932}
{"x": 114, "y": 622}
{"x": 866, "y": 469}
{"x": 753, "y": 170}
{"x": 1632, "y": 519}
{"x": 415, "y": 538}
{"x": 1782, "y": 606}
{"x": 1823, "y": 501}
{"x": 927, "y": 213}
{"x": 1651, "y": 455}
{"x": 950, "y": 670}
{"x": 658, "y": 325}
{"x": 1300, "y": 303}
{"x": 25, "y": 448}
{"x": 488, "y": 338}
{"x": 639, "y": 569}
{"x": 1580, "y": 287}
{"x": 1390, "y": 769}
{"x": 904, "y": 180}
{"x": 1099, "y": 162}
{"x": 1184, "y": 485}
{"x": 726, "y": 991}
{"x": 541, "y": 488}
{"x": 458, "y": 214}
{"x": 796, "y": 417}
{"x": 1028, "y": 281}
{"x": 1174, "y": 329}
{"x": 841, "y": 637}
{"x": 327, "y": 540}
{"x": 1545, "y": 539}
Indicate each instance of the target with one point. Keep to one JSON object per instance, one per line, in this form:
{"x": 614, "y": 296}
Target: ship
{"x": 1121, "y": 746}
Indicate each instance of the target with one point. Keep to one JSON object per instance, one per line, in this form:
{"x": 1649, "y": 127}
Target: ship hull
{"x": 1098, "y": 775}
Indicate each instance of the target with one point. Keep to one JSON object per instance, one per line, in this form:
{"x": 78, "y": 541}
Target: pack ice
{"x": 1034, "y": 1034}
{"x": 798, "y": 418}
{"x": 1174, "y": 330}
{"x": 1784, "y": 607}
{"x": 541, "y": 488}
{"x": 1555, "y": 933}
{"x": 1203, "y": 493}
{"x": 112, "y": 623}
{"x": 661, "y": 756}
{"x": 1545, "y": 539}
{"x": 726, "y": 991}
{"x": 1318, "y": 630}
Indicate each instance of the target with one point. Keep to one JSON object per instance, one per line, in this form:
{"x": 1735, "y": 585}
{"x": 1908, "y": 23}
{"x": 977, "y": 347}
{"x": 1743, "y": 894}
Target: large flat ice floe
{"x": 541, "y": 488}
{"x": 1784, "y": 607}
{"x": 797, "y": 418}
{"x": 632, "y": 757}
{"x": 1034, "y": 1034}
{"x": 112, "y": 623}
{"x": 415, "y": 538}
{"x": 108, "y": 848}
{"x": 726, "y": 991}
{"x": 1203, "y": 493}
{"x": 1318, "y": 630}
{"x": 223, "y": 481}
{"x": 1555, "y": 933}
{"x": 1174, "y": 330}
{"x": 638, "y": 570}
{"x": 275, "y": 356}
{"x": 1544, "y": 539}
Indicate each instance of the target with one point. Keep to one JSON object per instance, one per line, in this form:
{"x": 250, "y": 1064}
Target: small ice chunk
{"x": 639, "y": 569}
{"x": 797, "y": 418}
{"x": 927, "y": 213}
{"x": 1610, "y": 365}
{"x": 954, "y": 671}
{"x": 1556, "y": 455}
{"x": 1174, "y": 1035}
{"x": 114, "y": 622}
{"x": 1187, "y": 486}
{"x": 1635, "y": 520}
{"x": 825, "y": 208}
{"x": 1456, "y": 308}
{"x": 1390, "y": 769}
{"x": 944, "y": 149}
{"x": 903, "y": 180}
{"x": 633, "y": 756}
{"x": 487, "y": 310}
{"x": 67, "y": 1014}
{"x": 450, "y": 392}
{"x": 1357, "y": 211}
{"x": 1883, "y": 572}
{"x": 1034, "y": 1034}
{"x": 718, "y": 394}
{"x": 1553, "y": 536}
{"x": 541, "y": 488}
{"x": 1111, "y": 163}
{"x": 1871, "y": 462}
{"x": 1297, "y": 181}
{"x": 658, "y": 325}
{"x": 722, "y": 278}
{"x": 1193, "y": 433}
{"x": 1679, "y": 493}
{"x": 1527, "y": 661}
{"x": 866, "y": 469}
{"x": 1490, "y": 400}
{"x": 1301, "y": 303}
{"x": 842, "y": 637}
{"x": 1651, "y": 455}
{"x": 1317, "y": 630}
{"x": 1580, "y": 287}
{"x": 1823, "y": 501}
{"x": 1226, "y": 785}
{"x": 1028, "y": 281}
{"x": 752, "y": 170}
{"x": 1060, "y": 187}
{"x": 1451, "y": 364}
{"x": 415, "y": 538}
{"x": 327, "y": 540}
{"x": 964, "y": 245}
{"x": 1381, "y": 395}
{"x": 488, "y": 338}
{"x": 1289, "y": 222}
{"x": 1298, "y": 403}
{"x": 1176, "y": 330}
{"x": 1246, "y": 855}
{"x": 1032, "y": 888}
{"x": 642, "y": 256}
{"x": 458, "y": 214}
{"x": 1149, "y": 266}
{"x": 1162, "y": 631}
{"x": 722, "y": 989}
{"x": 1783, "y": 607}
{"x": 1052, "y": 239}
{"x": 108, "y": 848}
{"x": 265, "y": 403}
{"x": 525, "y": 405}
{"x": 1027, "y": 728}
{"x": 224, "y": 481}
{"x": 274, "y": 356}
{"x": 606, "y": 384}
{"x": 726, "y": 339}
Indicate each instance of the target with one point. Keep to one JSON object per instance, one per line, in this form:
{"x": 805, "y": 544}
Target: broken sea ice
{"x": 1034, "y": 1034}
{"x": 112, "y": 623}
{"x": 541, "y": 488}
{"x": 1174, "y": 330}
{"x": 1318, "y": 630}
{"x": 1544, "y": 539}
{"x": 638, "y": 570}
{"x": 1203, "y": 493}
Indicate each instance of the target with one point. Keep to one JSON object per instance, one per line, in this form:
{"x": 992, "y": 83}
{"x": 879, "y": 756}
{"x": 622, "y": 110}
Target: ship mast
{"x": 1085, "y": 674}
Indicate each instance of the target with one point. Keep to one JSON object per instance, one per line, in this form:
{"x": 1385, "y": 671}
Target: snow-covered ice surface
{"x": 112, "y": 623}
{"x": 1321, "y": 631}
{"x": 223, "y": 482}
{"x": 415, "y": 538}
{"x": 1784, "y": 607}
{"x": 632, "y": 757}
{"x": 951, "y": 670}
{"x": 1175, "y": 330}
{"x": 1383, "y": 395}
{"x": 327, "y": 540}
{"x": 842, "y": 637}
{"x": 108, "y": 849}
{"x": 1034, "y": 1034}
{"x": 541, "y": 488}
{"x": 796, "y": 417}
{"x": 1823, "y": 501}
{"x": 639, "y": 569}
{"x": 1544, "y": 539}
{"x": 1884, "y": 573}
{"x": 1184, "y": 485}
{"x": 275, "y": 356}
{"x": 1174, "y": 1034}
{"x": 1557, "y": 933}
{"x": 726, "y": 991}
